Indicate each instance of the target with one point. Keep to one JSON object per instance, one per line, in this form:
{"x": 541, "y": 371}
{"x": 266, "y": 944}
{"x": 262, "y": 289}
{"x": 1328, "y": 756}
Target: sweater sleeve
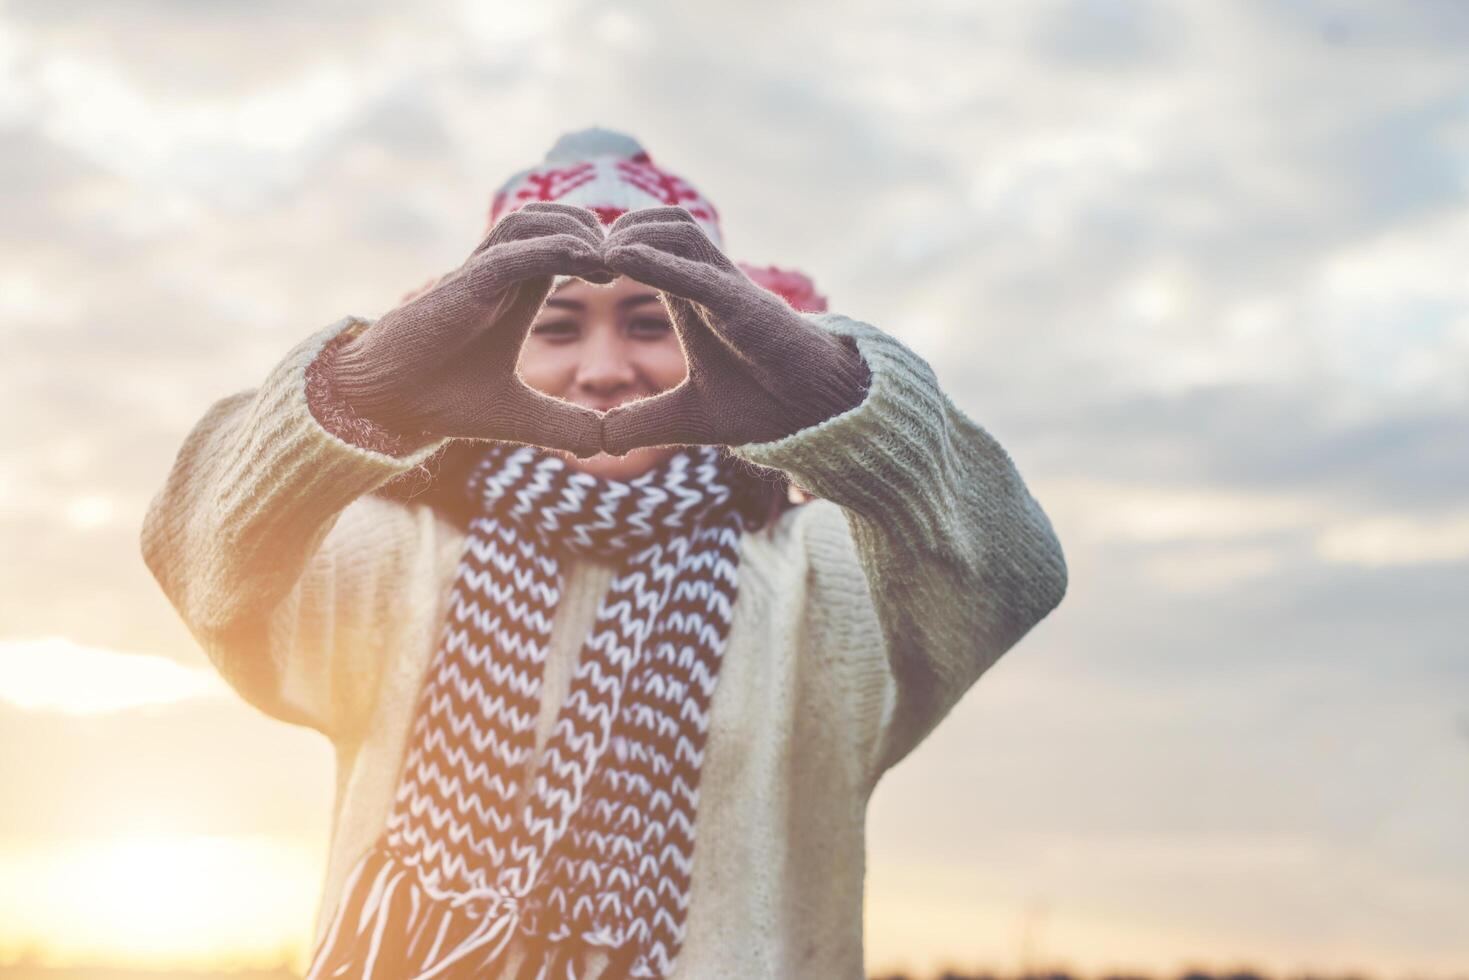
{"x": 267, "y": 543}
{"x": 960, "y": 560}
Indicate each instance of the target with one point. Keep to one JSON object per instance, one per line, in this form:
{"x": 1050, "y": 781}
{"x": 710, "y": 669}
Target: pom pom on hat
{"x": 594, "y": 141}
{"x": 791, "y": 285}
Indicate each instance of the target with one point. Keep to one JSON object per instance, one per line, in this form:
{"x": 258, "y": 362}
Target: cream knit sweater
{"x": 861, "y": 619}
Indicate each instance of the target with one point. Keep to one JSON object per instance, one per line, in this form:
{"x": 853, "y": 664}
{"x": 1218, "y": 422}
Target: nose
{"x": 604, "y": 376}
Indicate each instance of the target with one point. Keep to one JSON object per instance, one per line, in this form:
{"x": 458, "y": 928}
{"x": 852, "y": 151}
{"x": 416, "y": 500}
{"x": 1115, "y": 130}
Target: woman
{"x": 523, "y": 548}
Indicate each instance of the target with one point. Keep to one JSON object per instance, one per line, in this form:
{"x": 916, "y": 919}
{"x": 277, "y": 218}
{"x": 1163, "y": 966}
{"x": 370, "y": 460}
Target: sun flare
{"x": 160, "y": 902}
{"x": 53, "y": 673}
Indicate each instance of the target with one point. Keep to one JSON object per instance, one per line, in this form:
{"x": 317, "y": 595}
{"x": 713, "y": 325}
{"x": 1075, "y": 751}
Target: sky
{"x": 1198, "y": 267}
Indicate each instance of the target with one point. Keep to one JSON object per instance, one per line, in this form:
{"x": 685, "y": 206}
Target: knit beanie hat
{"x": 610, "y": 173}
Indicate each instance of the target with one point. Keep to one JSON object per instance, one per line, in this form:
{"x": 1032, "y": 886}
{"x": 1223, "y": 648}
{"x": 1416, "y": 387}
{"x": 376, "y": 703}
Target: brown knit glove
{"x": 758, "y": 370}
{"x": 444, "y": 362}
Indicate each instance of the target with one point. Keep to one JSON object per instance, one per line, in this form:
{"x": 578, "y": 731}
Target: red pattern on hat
{"x": 609, "y": 184}
{"x": 613, "y": 179}
{"x": 666, "y": 187}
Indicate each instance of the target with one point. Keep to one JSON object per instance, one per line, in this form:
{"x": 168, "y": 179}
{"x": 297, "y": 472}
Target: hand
{"x": 758, "y": 370}
{"x": 445, "y": 361}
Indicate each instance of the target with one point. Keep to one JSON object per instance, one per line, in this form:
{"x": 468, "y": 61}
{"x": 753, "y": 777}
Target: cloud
{"x": 1103, "y": 33}
{"x": 53, "y": 673}
{"x": 1149, "y": 513}
{"x": 1397, "y": 539}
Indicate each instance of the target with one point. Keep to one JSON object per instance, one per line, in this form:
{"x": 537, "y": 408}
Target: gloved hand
{"x": 444, "y": 362}
{"x": 758, "y": 370}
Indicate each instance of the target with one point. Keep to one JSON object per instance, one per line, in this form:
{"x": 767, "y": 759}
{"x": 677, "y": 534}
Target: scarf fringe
{"x": 389, "y": 927}
{"x": 568, "y": 961}
{"x": 387, "y": 921}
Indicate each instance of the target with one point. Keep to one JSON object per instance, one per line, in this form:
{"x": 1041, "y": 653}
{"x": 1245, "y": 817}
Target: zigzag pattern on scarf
{"x": 598, "y": 850}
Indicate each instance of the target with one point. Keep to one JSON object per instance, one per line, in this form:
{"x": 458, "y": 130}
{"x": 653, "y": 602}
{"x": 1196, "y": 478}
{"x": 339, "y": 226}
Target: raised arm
{"x": 264, "y": 536}
{"x": 264, "y": 541}
{"x": 959, "y": 559}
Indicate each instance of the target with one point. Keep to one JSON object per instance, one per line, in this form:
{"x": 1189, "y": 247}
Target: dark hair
{"x": 761, "y": 494}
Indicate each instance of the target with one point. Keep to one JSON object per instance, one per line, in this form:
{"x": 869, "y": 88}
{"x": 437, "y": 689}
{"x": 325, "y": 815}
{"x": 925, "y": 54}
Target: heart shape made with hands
{"x": 444, "y": 362}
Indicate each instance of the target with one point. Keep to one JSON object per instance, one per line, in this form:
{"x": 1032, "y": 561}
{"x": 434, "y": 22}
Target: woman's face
{"x": 601, "y": 346}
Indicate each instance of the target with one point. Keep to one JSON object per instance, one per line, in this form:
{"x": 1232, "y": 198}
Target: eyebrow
{"x": 622, "y": 304}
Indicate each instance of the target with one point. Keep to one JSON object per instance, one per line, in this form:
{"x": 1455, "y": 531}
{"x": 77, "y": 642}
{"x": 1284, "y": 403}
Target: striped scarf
{"x": 599, "y": 851}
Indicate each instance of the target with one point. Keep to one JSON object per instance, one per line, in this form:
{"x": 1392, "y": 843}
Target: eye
{"x": 649, "y": 328}
{"x": 557, "y": 330}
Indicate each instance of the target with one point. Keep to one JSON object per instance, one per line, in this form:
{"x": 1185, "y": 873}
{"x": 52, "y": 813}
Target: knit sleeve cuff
{"x": 289, "y": 471}
{"x": 873, "y": 456}
{"x": 257, "y": 485}
{"x": 332, "y": 410}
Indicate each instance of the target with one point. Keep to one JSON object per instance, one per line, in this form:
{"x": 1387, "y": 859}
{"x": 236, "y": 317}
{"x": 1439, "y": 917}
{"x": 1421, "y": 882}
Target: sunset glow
{"x": 53, "y": 673}
{"x": 160, "y": 901}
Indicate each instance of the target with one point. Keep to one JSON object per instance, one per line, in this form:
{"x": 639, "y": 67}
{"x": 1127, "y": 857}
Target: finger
{"x": 515, "y": 314}
{"x": 670, "y": 212}
{"x": 535, "y": 223}
{"x": 536, "y": 419}
{"x": 674, "y": 274}
{"x": 675, "y": 418}
{"x": 585, "y": 215}
{"x": 675, "y": 237}
{"x": 549, "y": 256}
{"x": 490, "y": 328}
{"x": 706, "y": 349}
{"x": 717, "y": 315}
